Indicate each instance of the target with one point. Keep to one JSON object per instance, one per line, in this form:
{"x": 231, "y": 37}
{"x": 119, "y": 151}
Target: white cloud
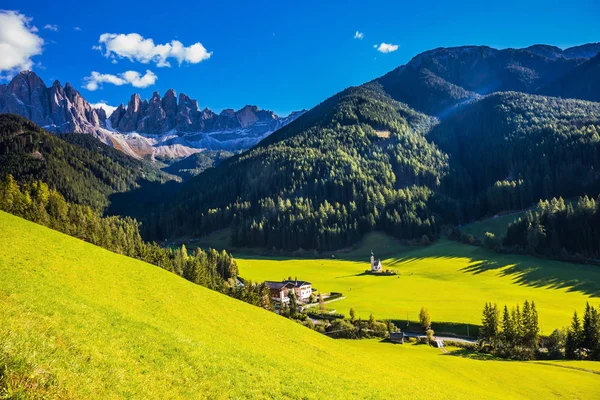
{"x": 51, "y": 27}
{"x": 133, "y": 78}
{"x": 386, "y": 47}
{"x": 359, "y": 35}
{"x": 136, "y": 48}
{"x": 18, "y": 43}
{"x": 77, "y": 28}
{"x": 108, "y": 109}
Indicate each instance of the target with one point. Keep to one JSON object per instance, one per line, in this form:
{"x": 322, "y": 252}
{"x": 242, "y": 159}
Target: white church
{"x": 375, "y": 266}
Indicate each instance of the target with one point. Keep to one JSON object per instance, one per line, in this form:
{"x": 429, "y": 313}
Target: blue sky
{"x": 278, "y": 55}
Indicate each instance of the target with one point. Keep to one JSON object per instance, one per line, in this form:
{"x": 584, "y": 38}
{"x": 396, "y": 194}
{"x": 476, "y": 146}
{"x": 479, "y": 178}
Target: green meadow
{"x": 497, "y": 225}
{"x": 451, "y": 279}
{"x": 77, "y": 321}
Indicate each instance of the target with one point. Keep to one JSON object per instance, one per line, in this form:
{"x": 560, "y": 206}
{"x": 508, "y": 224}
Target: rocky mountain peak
{"x": 170, "y": 93}
{"x": 155, "y": 98}
{"x": 55, "y": 108}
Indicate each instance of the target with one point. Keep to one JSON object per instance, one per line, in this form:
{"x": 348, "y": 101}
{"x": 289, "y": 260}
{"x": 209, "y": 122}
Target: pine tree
{"x": 574, "y": 339}
{"x": 518, "y": 324}
{"x": 490, "y": 324}
{"x": 533, "y": 327}
{"x": 591, "y": 332}
{"x": 508, "y": 328}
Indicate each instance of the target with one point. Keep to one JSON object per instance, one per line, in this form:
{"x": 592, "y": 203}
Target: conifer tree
{"x": 574, "y": 339}
{"x": 490, "y": 324}
{"x": 508, "y": 328}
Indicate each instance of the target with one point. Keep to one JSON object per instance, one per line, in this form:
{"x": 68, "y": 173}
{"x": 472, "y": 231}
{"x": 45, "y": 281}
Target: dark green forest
{"x": 364, "y": 164}
{"x": 78, "y": 166}
{"x": 510, "y": 150}
{"x": 559, "y": 230}
{"x": 361, "y": 161}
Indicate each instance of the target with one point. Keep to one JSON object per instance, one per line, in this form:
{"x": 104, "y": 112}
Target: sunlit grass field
{"x": 451, "y": 279}
{"x": 77, "y": 321}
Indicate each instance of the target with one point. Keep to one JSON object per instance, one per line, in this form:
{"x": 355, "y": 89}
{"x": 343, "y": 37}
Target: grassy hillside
{"x": 77, "y": 321}
{"x": 451, "y": 279}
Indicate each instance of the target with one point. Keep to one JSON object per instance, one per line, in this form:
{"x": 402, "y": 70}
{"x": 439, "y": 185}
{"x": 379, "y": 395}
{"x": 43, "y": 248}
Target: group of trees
{"x": 357, "y": 328}
{"x": 559, "y": 230}
{"x": 38, "y": 203}
{"x": 255, "y": 293}
{"x": 334, "y": 325}
{"x": 513, "y": 335}
{"x": 582, "y": 341}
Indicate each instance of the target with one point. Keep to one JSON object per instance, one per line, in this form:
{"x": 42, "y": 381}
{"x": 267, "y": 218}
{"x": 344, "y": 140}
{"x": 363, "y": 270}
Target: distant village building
{"x": 280, "y": 290}
{"x": 375, "y": 266}
{"x": 302, "y": 289}
{"x": 397, "y": 337}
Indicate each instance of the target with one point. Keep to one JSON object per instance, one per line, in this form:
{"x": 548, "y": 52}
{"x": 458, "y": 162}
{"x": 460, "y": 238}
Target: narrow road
{"x": 443, "y": 338}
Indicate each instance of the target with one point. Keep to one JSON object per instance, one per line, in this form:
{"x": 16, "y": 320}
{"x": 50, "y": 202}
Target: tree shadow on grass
{"x": 524, "y": 270}
{"x": 473, "y": 355}
{"x": 544, "y": 274}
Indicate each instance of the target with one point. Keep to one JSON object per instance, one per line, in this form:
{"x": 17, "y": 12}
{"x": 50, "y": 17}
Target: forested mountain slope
{"x": 509, "y": 150}
{"x": 436, "y": 80}
{"x": 80, "y": 167}
{"x": 361, "y": 161}
{"x": 358, "y": 161}
{"x": 582, "y": 82}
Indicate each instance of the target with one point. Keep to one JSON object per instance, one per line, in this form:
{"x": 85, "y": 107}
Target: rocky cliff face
{"x": 167, "y": 127}
{"x": 161, "y": 115}
{"x": 56, "y": 108}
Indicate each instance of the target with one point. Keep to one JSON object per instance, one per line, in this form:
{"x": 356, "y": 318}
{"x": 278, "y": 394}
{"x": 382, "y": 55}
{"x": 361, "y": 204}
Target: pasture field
{"x": 496, "y": 225}
{"x": 451, "y": 279}
{"x": 77, "y": 321}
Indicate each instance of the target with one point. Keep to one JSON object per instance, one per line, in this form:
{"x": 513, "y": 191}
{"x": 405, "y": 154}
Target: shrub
{"x": 429, "y": 336}
{"x": 460, "y": 344}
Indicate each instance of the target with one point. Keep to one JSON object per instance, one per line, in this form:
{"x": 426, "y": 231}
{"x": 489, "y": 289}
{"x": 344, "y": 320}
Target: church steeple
{"x": 372, "y": 258}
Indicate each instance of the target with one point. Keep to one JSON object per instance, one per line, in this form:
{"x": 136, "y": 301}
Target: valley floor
{"x": 451, "y": 279}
